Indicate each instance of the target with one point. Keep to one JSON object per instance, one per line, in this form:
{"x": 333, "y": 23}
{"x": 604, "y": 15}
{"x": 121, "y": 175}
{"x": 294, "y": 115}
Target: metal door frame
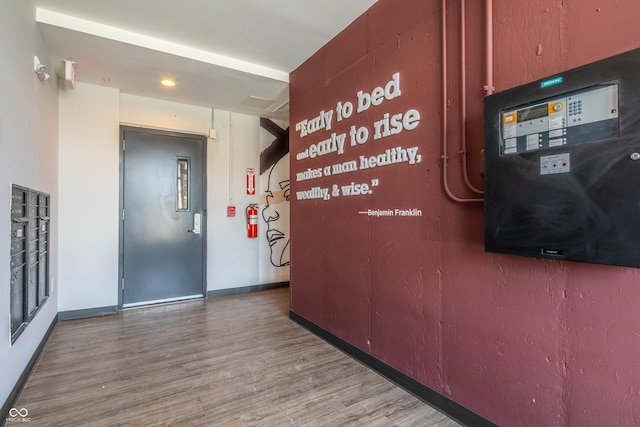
{"x": 123, "y": 129}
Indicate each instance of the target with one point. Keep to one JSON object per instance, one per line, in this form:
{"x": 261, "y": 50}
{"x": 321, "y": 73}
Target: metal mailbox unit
{"x": 30, "y": 244}
{"x": 562, "y": 165}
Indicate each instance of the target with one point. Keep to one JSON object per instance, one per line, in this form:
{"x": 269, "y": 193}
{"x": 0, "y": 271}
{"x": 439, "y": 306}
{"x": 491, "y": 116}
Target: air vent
{"x": 281, "y": 104}
{"x": 254, "y": 101}
{"x": 284, "y": 106}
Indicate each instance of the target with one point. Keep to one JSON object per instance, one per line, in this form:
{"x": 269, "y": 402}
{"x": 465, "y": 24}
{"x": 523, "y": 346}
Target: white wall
{"x": 232, "y": 257}
{"x": 89, "y": 197}
{"x": 28, "y": 157}
{"x": 156, "y": 114}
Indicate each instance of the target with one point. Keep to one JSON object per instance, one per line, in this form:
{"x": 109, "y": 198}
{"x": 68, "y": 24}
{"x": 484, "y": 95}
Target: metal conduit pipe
{"x": 463, "y": 95}
{"x": 445, "y": 157}
{"x": 489, "y": 88}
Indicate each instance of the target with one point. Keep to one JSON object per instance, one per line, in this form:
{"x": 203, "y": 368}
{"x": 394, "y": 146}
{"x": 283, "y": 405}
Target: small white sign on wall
{"x": 558, "y": 163}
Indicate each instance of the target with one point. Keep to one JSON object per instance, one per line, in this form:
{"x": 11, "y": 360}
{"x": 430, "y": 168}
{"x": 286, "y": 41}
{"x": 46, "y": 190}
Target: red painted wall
{"x": 520, "y": 341}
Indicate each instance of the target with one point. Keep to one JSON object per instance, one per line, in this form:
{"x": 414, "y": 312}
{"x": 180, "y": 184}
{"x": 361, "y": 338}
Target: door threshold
{"x": 162, "y": 301}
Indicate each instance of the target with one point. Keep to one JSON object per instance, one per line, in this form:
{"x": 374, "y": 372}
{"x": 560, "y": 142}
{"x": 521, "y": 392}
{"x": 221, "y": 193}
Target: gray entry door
{"x": 162, "y": 247}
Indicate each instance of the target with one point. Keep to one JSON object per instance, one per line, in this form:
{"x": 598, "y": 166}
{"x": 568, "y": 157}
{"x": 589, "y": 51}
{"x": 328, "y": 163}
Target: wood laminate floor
{"x": 229, "y": 361}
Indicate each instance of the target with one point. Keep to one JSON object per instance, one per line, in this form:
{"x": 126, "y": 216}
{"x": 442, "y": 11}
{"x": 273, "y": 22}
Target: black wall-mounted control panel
{"x": 562, "y": 165}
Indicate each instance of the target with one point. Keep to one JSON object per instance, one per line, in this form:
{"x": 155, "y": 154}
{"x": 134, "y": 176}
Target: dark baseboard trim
{"x": 246, "y": 289}
{"x": 421, "y": 391}
{"x": 88, "y": 312}
{"x": 13, "y": 396}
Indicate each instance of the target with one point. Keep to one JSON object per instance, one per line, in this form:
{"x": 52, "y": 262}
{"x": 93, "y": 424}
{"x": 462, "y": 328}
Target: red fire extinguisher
{"x": 252, "y": 221}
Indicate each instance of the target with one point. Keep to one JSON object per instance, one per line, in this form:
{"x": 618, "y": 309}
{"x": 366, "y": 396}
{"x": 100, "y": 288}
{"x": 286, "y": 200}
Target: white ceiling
{"x": 233, "y": 55}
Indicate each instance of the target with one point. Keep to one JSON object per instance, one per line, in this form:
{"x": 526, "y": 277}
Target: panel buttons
{"x": 575, "y": 108}
{"x": 555, "y": 107}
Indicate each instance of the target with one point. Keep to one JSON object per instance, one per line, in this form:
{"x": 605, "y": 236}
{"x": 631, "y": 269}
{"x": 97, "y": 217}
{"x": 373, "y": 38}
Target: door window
{"x": 183, "y": 184}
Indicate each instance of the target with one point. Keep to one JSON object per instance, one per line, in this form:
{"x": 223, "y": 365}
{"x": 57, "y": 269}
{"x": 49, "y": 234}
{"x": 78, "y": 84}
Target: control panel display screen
{"x": 533, "y": 113}
{"x": 582, "y": 116}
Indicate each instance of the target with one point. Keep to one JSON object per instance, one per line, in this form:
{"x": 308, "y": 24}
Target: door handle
{"x": 196, "y": 224}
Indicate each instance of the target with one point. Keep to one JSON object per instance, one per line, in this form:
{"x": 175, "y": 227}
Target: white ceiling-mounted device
{"x": 70, "y": 73}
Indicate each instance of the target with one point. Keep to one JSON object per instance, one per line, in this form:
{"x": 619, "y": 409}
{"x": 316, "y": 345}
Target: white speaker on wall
{"x": 70, "y": 73}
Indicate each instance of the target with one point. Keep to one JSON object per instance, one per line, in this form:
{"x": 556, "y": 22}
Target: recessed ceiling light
{"x": 168, "y": 83}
